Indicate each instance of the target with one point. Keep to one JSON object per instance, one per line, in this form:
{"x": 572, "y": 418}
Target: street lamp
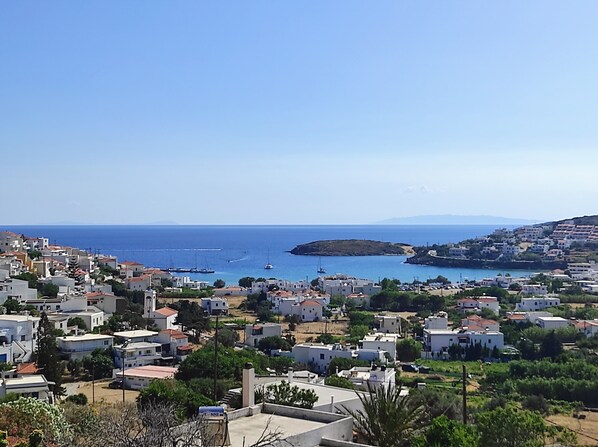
{"x": 122, "y": 364}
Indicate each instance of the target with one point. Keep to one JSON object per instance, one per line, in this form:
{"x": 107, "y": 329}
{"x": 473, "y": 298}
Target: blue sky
{"x": 296, "y": 112}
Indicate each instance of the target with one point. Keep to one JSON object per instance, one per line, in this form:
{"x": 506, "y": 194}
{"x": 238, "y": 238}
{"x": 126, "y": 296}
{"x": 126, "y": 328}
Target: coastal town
{"x": 93, "y": 329}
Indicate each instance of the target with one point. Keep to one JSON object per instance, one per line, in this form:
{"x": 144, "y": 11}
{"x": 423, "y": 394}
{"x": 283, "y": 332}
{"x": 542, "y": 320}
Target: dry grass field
{"x": 103, "y": 393}
{"x": 586, "y": 429}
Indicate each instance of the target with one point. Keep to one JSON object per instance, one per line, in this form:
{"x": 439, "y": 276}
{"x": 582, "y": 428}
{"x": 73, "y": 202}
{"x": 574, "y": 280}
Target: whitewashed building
{"x": 536, "y": 303}
{"x": 79, "y": 346}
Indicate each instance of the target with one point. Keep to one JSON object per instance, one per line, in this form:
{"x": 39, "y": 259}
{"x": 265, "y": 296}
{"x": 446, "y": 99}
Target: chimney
{"x": 290, "y": 375}
{"x": 248, "y": 385}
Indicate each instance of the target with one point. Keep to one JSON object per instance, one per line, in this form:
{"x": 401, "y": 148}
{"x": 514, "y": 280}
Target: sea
{"x": 234, "y": 252}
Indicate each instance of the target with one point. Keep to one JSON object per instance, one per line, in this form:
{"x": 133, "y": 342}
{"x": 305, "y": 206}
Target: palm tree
{"x": 387, "y": 418}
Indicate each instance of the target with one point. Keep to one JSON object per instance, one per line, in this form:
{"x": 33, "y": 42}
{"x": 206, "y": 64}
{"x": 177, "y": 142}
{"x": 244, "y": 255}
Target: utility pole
{"x": 464, "y": 395}
{"x": 215, "y": 357}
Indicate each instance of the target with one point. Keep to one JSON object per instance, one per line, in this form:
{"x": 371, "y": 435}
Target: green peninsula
{"x": 352, "y": 247}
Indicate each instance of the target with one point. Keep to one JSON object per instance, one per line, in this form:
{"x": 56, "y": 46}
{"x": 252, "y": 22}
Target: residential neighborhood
{"x": 127, "y": 325}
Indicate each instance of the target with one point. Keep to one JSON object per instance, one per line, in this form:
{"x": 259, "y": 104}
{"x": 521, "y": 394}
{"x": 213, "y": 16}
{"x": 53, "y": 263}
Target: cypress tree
{"x": 47, "y": 358}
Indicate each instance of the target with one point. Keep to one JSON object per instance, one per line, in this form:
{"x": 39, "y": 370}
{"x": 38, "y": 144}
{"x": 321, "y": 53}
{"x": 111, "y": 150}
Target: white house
{"x": 256, "y": 332}
{"x": 388, "y": 324}
{"x": 30, "y": 385}
{"x": 582, "y": 270}
{"x": 215, "y": 306}
{"x": 382, "y": 342}
{"x": 79, "y": 346}
{"x": 318, "y": 355}
{"x": 375, "y": 376}
{"x": 534, "y": 289}
{"x": 139, "y": 335}
{"x": 131, "y": 268}
{"x": 536, "y": 303}
{"x": 165, "y": 318}
{"x": 21, "y": 332}
{"x": 92, "y": 317}
{"x": 10, "y": 241}
{"x": 476, "y": 304}
{"x": 140, "y": 283}
{"x": 477, "y": 323}
{"x": 438, "y": 341}
{"x": 458, "y": 252}
{"x": 137, "y": 354}
{"x": 551, "y": 322}
{"x": 309, "y": 310}
{"x": 16, "y": 289}
{"x": 174, "y": 343}
{"x": 438, "y": 321}
{"x": 140, "y": 377}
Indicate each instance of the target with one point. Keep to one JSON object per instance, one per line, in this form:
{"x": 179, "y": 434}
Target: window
{"x": 22, "y": 338}
{"x": 321, "y": 356}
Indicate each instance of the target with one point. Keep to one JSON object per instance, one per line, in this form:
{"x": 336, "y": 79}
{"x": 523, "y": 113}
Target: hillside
{"x": 546, "y": 246}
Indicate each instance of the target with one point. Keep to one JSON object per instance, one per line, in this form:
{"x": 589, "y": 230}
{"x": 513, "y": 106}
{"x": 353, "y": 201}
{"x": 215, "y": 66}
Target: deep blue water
{"x": 237, "y": 251}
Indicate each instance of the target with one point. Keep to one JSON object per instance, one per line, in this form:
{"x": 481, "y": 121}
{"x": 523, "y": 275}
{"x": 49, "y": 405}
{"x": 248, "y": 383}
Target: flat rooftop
{"x": 135, "y": 334}
{"x": 86, "y": 337}
{"x": 18, "y": 318}
{"x": 246, "y": 431}
{"x": 150, "y": 372}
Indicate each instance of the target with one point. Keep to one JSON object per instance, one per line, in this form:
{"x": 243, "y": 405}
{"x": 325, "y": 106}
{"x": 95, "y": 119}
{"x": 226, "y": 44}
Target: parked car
{"x": 409, "y": 367}
{"x": 118, "y": 383}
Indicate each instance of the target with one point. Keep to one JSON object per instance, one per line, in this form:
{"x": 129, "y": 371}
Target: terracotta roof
{"x": 310, "y": 303}
{"x": 166, "y": 311}
{"x": 174, "y": 333}
{"x": 130, "y": 263}
{"x": 517, "y": 317}
{"x": 187, "y": 347}
{"x": 27, "y": 368}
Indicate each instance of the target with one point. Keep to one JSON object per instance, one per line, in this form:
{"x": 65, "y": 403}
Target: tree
{"x": 246, "y": 281}
{"x": 227, "y": 337}
{"x": 267, "y": 344}
{"x": 50, "y": 290}
{"x": 339, "y": 382}
{"x": 387, "y": 418}
{"x": 100, "y": 364}
{"x": 525, "y": 428}
{"x": 23, "y": 416}
{"x": 12, "y": 306}
{"x": 77, "y": 321}
{"x": 47, "y": 353}
{"x": 408, "y": 350}
{"x": 551, "y": 346}
{"x": 173, "y": 392}
{"x": 444, "y": 432}
{"x": 219, "y": 284}
{"x": 290, "y": 395}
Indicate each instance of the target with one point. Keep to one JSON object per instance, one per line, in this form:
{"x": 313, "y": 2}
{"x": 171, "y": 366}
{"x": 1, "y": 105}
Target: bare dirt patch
{"x": 304, "y": 331}
{"x": 103, "y": 393}
{"x": 586, "y": 429}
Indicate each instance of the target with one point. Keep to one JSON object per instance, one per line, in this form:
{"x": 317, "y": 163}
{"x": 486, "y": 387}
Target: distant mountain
{"x": 451, "y": 219}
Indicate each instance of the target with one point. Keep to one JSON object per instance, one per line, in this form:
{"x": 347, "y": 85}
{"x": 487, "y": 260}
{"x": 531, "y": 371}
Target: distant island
{"x": 451, "y": 219}
{"x": 352, "y": 247}
{"x": 545, "y": 246}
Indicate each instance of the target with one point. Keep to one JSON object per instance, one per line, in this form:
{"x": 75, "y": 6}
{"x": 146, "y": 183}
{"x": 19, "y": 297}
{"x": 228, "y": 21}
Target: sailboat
{"x": 268, "y": 266}
{"x": 320, "y": 268}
